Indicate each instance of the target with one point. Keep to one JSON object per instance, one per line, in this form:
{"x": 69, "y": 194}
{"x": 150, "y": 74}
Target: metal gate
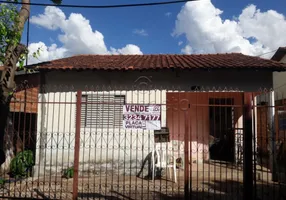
{"x": 96, "y": 144}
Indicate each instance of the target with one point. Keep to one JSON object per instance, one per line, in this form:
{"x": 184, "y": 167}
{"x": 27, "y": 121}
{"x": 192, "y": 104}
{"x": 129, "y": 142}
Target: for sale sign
{"x": 147, "y": 117}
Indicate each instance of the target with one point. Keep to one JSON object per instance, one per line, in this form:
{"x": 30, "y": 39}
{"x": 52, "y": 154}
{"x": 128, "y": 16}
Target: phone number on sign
{"x": 142, "y": 117}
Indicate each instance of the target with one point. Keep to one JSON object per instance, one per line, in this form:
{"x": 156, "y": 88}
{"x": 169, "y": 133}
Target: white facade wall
{"x": 58, "y": 121}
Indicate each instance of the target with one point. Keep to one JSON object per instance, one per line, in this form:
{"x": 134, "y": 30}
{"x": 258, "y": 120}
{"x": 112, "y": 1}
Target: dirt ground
{"x": 208, "y": 181}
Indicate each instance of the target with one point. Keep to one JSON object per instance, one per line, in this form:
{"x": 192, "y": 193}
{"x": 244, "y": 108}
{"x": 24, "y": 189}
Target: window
{"x": 102, "y": 111}
{"x": 282, "y": 120}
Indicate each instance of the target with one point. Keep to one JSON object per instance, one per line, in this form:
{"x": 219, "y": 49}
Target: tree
{"x": 12, "y": 55}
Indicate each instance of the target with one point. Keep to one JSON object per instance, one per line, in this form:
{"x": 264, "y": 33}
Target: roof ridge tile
{"x": 160, "y": 61}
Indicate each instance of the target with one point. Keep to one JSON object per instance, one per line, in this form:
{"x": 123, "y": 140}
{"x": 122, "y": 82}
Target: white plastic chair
{"x": 163, "y": 161}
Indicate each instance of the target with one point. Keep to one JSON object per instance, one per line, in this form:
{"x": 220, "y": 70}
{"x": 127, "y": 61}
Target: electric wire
{"x": 267, "y": 52}
{"x": 100, "y": 6}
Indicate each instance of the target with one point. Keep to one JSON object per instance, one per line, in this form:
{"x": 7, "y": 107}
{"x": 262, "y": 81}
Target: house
{"x": 28, "y": 92}
{"x": 279, "y": 78}
{"x": 279, "y": 86}
{"x": 190, "y": 98}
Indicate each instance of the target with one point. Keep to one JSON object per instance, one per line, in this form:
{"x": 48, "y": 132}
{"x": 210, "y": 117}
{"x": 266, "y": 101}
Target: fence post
{"x": 77, "y": 144}
{"x": 272, "y": 138}
{"x": 247, "y": 148}
{"x": 254, "y": 140}
{"x": 188, "y": 152}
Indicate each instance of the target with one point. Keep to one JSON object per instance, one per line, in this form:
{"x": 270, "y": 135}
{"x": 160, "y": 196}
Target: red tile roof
{"x": 279, "y": 54}
{"x": 144, "y": 62}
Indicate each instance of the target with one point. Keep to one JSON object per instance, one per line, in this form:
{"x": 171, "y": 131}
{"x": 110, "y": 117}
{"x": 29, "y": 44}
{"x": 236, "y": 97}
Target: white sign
{"x": 146, "y": 117}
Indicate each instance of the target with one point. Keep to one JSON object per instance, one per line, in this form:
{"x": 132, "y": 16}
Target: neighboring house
{"x": 24, "y": 109}
{"x": 279, "y": 85}
{"x": 112, "y": 81}
{"x": 279, "y": 78}
{"x": 26, "y": 90}
{"x": 23, "y": 112}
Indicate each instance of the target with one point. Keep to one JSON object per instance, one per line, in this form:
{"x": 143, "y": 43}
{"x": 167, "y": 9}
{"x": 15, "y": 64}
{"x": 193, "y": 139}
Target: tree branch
{"x": 13, "y": 54}
{"x": 7, "y": 79}
{"x": 23, "y": 14}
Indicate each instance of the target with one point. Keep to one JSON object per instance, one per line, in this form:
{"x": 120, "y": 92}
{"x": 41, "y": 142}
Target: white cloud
{"x": 168, "y": 14}
{"x": 46, "y": 52}
{"x": 207, "y": 32}
{"x": 187, "y": 49}
{"x": 48, "y": 19}
{"x": 141, "y": 32}
{"x": 77, "y": 37}
{"x": 129, "y": 49}
{"x": 180, "y": 43}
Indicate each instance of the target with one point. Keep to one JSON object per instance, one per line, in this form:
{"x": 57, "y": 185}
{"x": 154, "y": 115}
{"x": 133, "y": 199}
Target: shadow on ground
{"x": 231, "y": 190}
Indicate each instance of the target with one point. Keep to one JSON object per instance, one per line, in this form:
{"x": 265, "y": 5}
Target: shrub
{"x": 68, "y": 173}
{"x": 21, "y": 165}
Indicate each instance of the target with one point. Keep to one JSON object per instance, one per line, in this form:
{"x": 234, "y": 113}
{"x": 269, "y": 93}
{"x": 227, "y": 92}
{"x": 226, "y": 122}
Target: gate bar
{"x": 187, "y": 154}
{"x": 77, "y": 144}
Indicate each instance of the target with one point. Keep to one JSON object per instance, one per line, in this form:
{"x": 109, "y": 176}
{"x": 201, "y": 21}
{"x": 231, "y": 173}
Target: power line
{"x": 103, "y": 6}
{"x": 267, "y": 53}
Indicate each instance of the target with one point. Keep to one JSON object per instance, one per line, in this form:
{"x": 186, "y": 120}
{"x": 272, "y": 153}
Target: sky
{"x": 206, "y": 26}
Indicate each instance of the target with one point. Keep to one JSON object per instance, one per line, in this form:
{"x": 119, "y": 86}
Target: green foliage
{"x": 23, "y": 58}
{"x": 2, "y": 182}
{"x": 68, "y": 173}
{"x": 22, "y": 164}
{"x": 8, "y": 28}
{"x": 9, "y": 33}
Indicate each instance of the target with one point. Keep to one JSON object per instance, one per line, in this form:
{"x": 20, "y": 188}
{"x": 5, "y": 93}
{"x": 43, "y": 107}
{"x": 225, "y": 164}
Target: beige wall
{"x": 198, "y": 118}
{"x": 279, "y": 83}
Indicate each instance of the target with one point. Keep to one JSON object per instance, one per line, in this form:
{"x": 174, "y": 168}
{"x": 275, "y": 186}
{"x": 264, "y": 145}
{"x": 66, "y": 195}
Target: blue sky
{"x": 118, "y": 25}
